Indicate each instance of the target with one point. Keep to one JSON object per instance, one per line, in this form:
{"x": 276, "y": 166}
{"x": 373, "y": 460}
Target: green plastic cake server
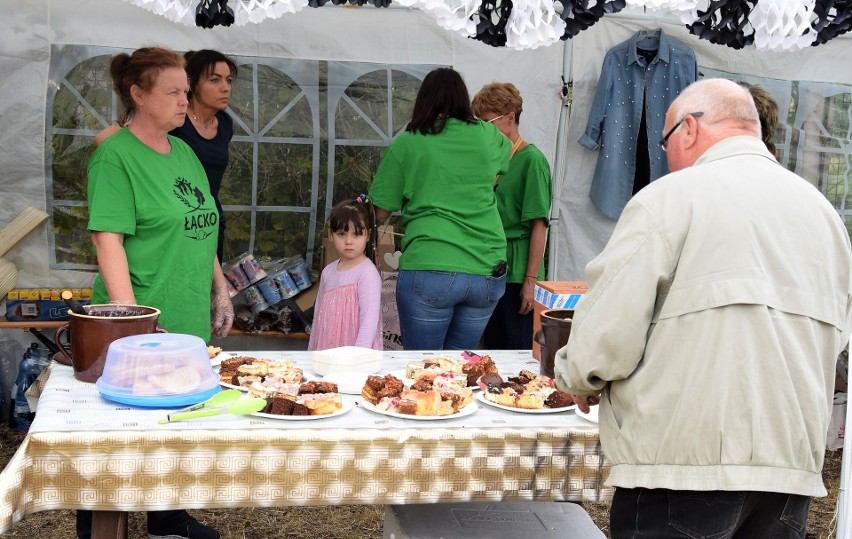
{"x": 223, "y": 398}
{"x": 244, "y": 406}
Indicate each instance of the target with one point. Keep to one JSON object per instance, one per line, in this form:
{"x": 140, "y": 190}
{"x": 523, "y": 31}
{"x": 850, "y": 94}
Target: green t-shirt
{"x": 162, "y": 205}
{"x": 523, "y": 194}
{"x": 443, "y": 184}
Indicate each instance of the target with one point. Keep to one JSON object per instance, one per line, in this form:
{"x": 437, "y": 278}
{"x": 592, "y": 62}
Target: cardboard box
{"x": 306, "y": 298}
{"x": 40, "y": 304}
{"x": 554, "y": 295}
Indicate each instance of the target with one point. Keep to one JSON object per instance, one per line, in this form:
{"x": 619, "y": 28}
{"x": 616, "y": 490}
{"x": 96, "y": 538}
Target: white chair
{"x": 505, "y": 520}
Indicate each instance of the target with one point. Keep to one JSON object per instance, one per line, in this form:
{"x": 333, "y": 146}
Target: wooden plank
{"x": 109, "y": 525}
{"x": 38, "y": 324}
{"x": 299, "y": 335}
{"x": 53, "y": 324}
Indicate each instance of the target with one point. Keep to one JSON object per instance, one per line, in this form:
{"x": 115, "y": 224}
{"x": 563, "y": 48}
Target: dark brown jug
{"x": 553, "y": 335}
{"x": 92, "y": 333}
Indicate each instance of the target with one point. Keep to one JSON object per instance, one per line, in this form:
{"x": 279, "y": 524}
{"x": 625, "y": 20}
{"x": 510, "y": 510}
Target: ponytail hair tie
{"x": 363, "y": 199}
{"x": 372, "y": 244}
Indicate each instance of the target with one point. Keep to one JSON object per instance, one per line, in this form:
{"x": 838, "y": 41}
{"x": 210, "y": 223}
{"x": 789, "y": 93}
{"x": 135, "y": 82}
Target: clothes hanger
{"x": 648, "y": 40}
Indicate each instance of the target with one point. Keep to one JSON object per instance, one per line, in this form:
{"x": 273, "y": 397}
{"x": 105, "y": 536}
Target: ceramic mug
{"x": 92, "y": 333}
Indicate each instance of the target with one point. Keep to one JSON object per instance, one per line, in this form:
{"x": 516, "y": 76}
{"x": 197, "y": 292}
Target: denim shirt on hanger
{"x": 627, "y": 83}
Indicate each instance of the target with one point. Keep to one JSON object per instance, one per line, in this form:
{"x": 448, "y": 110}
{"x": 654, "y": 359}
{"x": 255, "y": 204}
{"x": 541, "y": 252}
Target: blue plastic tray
{"x": 158, "y": 401}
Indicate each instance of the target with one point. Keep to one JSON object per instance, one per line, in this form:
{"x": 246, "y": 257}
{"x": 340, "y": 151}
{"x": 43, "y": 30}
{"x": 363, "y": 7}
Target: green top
{"x": 162, "y": 205}
{"x": 523, "y": 194}
{"x": 443, "y": 184}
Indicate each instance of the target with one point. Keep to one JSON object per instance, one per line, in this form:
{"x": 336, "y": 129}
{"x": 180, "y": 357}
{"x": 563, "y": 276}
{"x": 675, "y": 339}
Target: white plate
{"x": 466, "y": 411}
{"x": 220, "y": 357}
{"x": 409, "y": 381}
{"x": 401, "y": 375}
{"x": 348, "y": 383}
{"x": 232, "y": 386}
{"x": 591, "y": 416}
{"x": 481, "y": 398}
{"x": 346, "y": 407}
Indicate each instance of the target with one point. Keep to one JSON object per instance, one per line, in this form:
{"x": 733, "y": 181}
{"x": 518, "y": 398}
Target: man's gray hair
{"x": 723, "y": 102}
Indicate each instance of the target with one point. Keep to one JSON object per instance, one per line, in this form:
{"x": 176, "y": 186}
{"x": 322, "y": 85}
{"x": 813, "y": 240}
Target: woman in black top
{"x": 208, "y": 128}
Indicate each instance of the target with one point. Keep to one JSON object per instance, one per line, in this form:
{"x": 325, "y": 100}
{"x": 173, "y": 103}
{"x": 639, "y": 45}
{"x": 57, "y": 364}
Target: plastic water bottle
{"x": 41, "y": 359}
{"x": 21, "y": 412}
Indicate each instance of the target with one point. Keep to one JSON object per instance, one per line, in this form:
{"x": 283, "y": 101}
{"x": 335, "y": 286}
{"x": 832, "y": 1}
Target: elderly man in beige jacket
{"x": 710, "y": 332}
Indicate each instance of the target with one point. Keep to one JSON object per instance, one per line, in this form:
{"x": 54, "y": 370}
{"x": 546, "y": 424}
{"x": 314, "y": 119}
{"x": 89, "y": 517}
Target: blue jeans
{"x": 441, "y": 310}
{"x": 640, "y": 513}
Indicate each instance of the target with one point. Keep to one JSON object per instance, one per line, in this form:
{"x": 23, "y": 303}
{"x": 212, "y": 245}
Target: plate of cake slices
{"x": 448, "y": 370}
{"x": 525, "y": 393}
{"x": 424, "y": 400}
{"x": 545, "y": 410}
{"x": 307, "y": 407}
{"x": 439, "y": 378}
{"x": 386, "y": 409}
{"x": 260, "y": 377}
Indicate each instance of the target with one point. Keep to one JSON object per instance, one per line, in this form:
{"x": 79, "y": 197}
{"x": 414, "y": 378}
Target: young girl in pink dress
{"x": 348, "y": 305}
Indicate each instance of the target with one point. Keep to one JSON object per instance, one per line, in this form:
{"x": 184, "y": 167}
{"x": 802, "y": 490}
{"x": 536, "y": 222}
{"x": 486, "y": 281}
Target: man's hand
{"x": 584, "y": 402}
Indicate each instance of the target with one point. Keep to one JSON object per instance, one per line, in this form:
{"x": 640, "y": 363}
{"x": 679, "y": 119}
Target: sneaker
{"x": 177, "y": 525}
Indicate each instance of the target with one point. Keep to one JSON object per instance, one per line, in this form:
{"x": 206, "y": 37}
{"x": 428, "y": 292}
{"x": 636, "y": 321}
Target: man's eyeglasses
{"x": 664, "y": 142}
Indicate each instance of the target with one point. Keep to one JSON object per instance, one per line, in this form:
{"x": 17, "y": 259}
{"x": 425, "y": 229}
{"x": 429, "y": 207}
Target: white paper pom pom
{"x": 783, "y": 24}
{"x": 533, "y": 23}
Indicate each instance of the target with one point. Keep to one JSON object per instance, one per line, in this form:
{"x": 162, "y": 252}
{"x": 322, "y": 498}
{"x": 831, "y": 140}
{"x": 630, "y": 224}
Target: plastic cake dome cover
{"x": 157, "y": 364}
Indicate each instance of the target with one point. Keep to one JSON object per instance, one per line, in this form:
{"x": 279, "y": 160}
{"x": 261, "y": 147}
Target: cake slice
{"x": 558, "y": 399}
{"x": 234, "y": 362}
{"x": 448, "y": 380}
{"x": 414, "y": 367}
{"x": 475, "y": 369}
{"x": 322, "y": 403}
{"x": 426, "y": 402}
{"x": 489, "y": 379}
{"x": 443, "y": 364}
{"x": 278, "y": 366}
{"x": 408, "y": 403}
{"x": 389, "y": 404}
{"x": 377, "y": 387}
{"x": 293, "y": 376}
{"x": 530, "y": 401}
{"x": 256, "y": 369}
{"x": 317, "y": 387}
{"x": 281, "y": 405}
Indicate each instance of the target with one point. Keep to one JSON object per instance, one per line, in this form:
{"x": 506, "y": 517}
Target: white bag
{"x": 390, "y": 315}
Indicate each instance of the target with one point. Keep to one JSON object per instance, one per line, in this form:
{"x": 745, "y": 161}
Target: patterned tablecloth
{"x": 85, "y": 452}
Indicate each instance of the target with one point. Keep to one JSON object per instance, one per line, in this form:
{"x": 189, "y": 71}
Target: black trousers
{"x": 84, "y": 520}
{"x": 507, "y": 330}
{"x": 640, "y": 513}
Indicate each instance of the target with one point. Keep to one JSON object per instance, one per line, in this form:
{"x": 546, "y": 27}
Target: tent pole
{"x": 843, "y": 527}
{"x": 559, "y": 160}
